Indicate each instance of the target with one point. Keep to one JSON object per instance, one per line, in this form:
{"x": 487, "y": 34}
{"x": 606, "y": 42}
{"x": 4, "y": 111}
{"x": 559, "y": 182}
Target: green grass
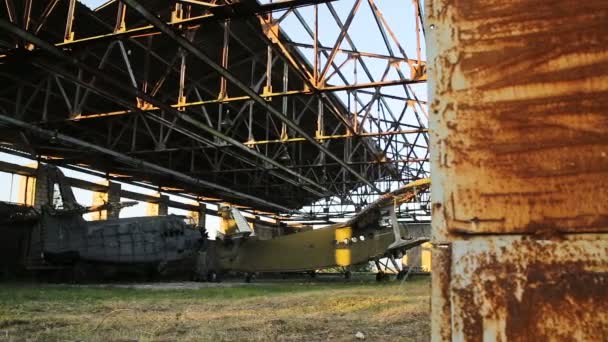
{"x": 258, "y": 312}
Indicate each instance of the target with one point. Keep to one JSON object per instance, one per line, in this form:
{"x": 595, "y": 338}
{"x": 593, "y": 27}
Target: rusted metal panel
{"x": 518, "y": 121}
{"x": 520, "y": 289}
{"x": 440, "y": 294}
{"x": 518, "y": 105}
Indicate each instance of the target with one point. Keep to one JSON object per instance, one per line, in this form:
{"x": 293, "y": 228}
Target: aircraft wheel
{"x": 248, "y": 277}
{"x": 151, "y": 274}
{"x": 80, "y": 273}
{"x": 213, "y": 277}
{"x": 347, "y": 275}
{"x": 195, "y": 277}
{"x": 162, "y": 269}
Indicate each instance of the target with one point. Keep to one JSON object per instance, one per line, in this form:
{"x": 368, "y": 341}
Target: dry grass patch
{"x": 261, "y": 312}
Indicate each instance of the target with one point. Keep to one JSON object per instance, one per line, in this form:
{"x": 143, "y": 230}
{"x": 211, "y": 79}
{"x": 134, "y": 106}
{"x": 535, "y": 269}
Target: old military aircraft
{"x": 53, "y": 239}
{"x": 371, "y": 235}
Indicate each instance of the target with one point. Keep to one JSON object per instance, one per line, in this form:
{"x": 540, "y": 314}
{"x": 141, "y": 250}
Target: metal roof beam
{"x": 134, "y": 161}
{"x": 194, "y": 51}
{"x": 167, "y": 108}
{"x": 216, "y": 13}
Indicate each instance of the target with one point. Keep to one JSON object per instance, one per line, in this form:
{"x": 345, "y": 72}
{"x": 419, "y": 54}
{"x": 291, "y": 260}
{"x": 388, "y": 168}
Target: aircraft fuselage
{"x": 310, "y": 250}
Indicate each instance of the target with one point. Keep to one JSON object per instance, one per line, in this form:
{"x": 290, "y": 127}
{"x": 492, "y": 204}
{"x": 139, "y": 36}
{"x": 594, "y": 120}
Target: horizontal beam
{"x": 132, "y": 195}
{"x": 217, "y": 13}
{"x": 17, "y": 169}
{"x": 347, "y": 87}
{"x": 371, "y": 162}
{"x": 88, "y": 116}
{"x": 357, "y": 53}
{"x": 336, "y": 136}
{"x": 134, "y": 161}
{"x": 92, "y": 186}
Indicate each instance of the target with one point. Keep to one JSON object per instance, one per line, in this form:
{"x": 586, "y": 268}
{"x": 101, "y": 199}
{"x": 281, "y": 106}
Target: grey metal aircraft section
{"x": 46, "y": 239}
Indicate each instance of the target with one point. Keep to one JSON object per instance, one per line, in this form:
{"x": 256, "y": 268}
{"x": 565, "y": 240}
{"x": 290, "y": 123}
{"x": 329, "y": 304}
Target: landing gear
{"x": 213, "y": 277}
{"x": 248, "y": 277}
{"x": 381, "y": 276}
{"x": 80, "y": 273}
{"x": 389, "y": 266}
{"x": 162, "y": 269}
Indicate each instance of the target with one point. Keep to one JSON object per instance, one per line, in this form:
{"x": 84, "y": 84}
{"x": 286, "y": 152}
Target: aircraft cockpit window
{"x": 385, "y": 219}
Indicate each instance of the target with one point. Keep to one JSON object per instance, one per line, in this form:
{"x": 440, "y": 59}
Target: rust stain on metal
{"x": 573, "y": 299}
{"x": 440, "y": 306}
{"x": 517, "y": 289}
{"x": 520, "y": 97}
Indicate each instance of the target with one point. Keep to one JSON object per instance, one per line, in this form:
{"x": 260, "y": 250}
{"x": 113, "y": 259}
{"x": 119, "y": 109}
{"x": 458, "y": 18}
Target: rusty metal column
{"x": 36, "y": 189}
{"x": 163, "y": 205}
{"x": 519, "y": 101}
{"x": 202, "y": 215}
{"x": 100, "y": 197}
{"x": 69, "y": 32}
{"x": 114, "y": 190}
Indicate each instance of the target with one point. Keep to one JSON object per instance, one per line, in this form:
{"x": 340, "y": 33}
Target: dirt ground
{"x": 261, "y": 311}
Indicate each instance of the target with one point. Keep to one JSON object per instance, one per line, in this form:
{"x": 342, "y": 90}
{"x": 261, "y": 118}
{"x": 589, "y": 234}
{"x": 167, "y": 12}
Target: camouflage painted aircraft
{"x": 371, "y": 235}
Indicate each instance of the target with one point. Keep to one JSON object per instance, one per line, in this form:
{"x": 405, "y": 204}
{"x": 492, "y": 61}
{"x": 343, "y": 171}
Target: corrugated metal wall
{"x": 519, "y": 121}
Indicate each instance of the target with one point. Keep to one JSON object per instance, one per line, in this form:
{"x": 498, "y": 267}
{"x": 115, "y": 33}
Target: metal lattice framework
{"x": 214, "y": 99}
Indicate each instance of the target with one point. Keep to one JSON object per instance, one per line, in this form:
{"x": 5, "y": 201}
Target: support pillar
{"x": 163, "y": 205}
{"x": 202, "y": 215}
{"x": 113, "y": 196}
{"x": 520, "y": 170}
{"x": 198, "y": 215}
{"x": 27, "y": 191}
{"x": 99, "y": 198}
{"x": 151, "y": 209}
{"x": 412, "y": 257}
{"x": 41, "y": 194}
{"x": 159, "y": 208}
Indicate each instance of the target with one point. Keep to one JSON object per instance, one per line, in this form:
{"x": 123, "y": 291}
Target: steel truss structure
{"x": 214, "y": 99}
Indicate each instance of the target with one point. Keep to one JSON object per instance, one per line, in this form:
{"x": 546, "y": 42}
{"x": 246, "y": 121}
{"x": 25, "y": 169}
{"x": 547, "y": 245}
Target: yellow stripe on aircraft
{"x": 343, "y": 254}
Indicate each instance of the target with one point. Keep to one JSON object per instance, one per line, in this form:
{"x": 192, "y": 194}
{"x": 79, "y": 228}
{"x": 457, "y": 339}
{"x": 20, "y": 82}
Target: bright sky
{"x": 398, "y": 13}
